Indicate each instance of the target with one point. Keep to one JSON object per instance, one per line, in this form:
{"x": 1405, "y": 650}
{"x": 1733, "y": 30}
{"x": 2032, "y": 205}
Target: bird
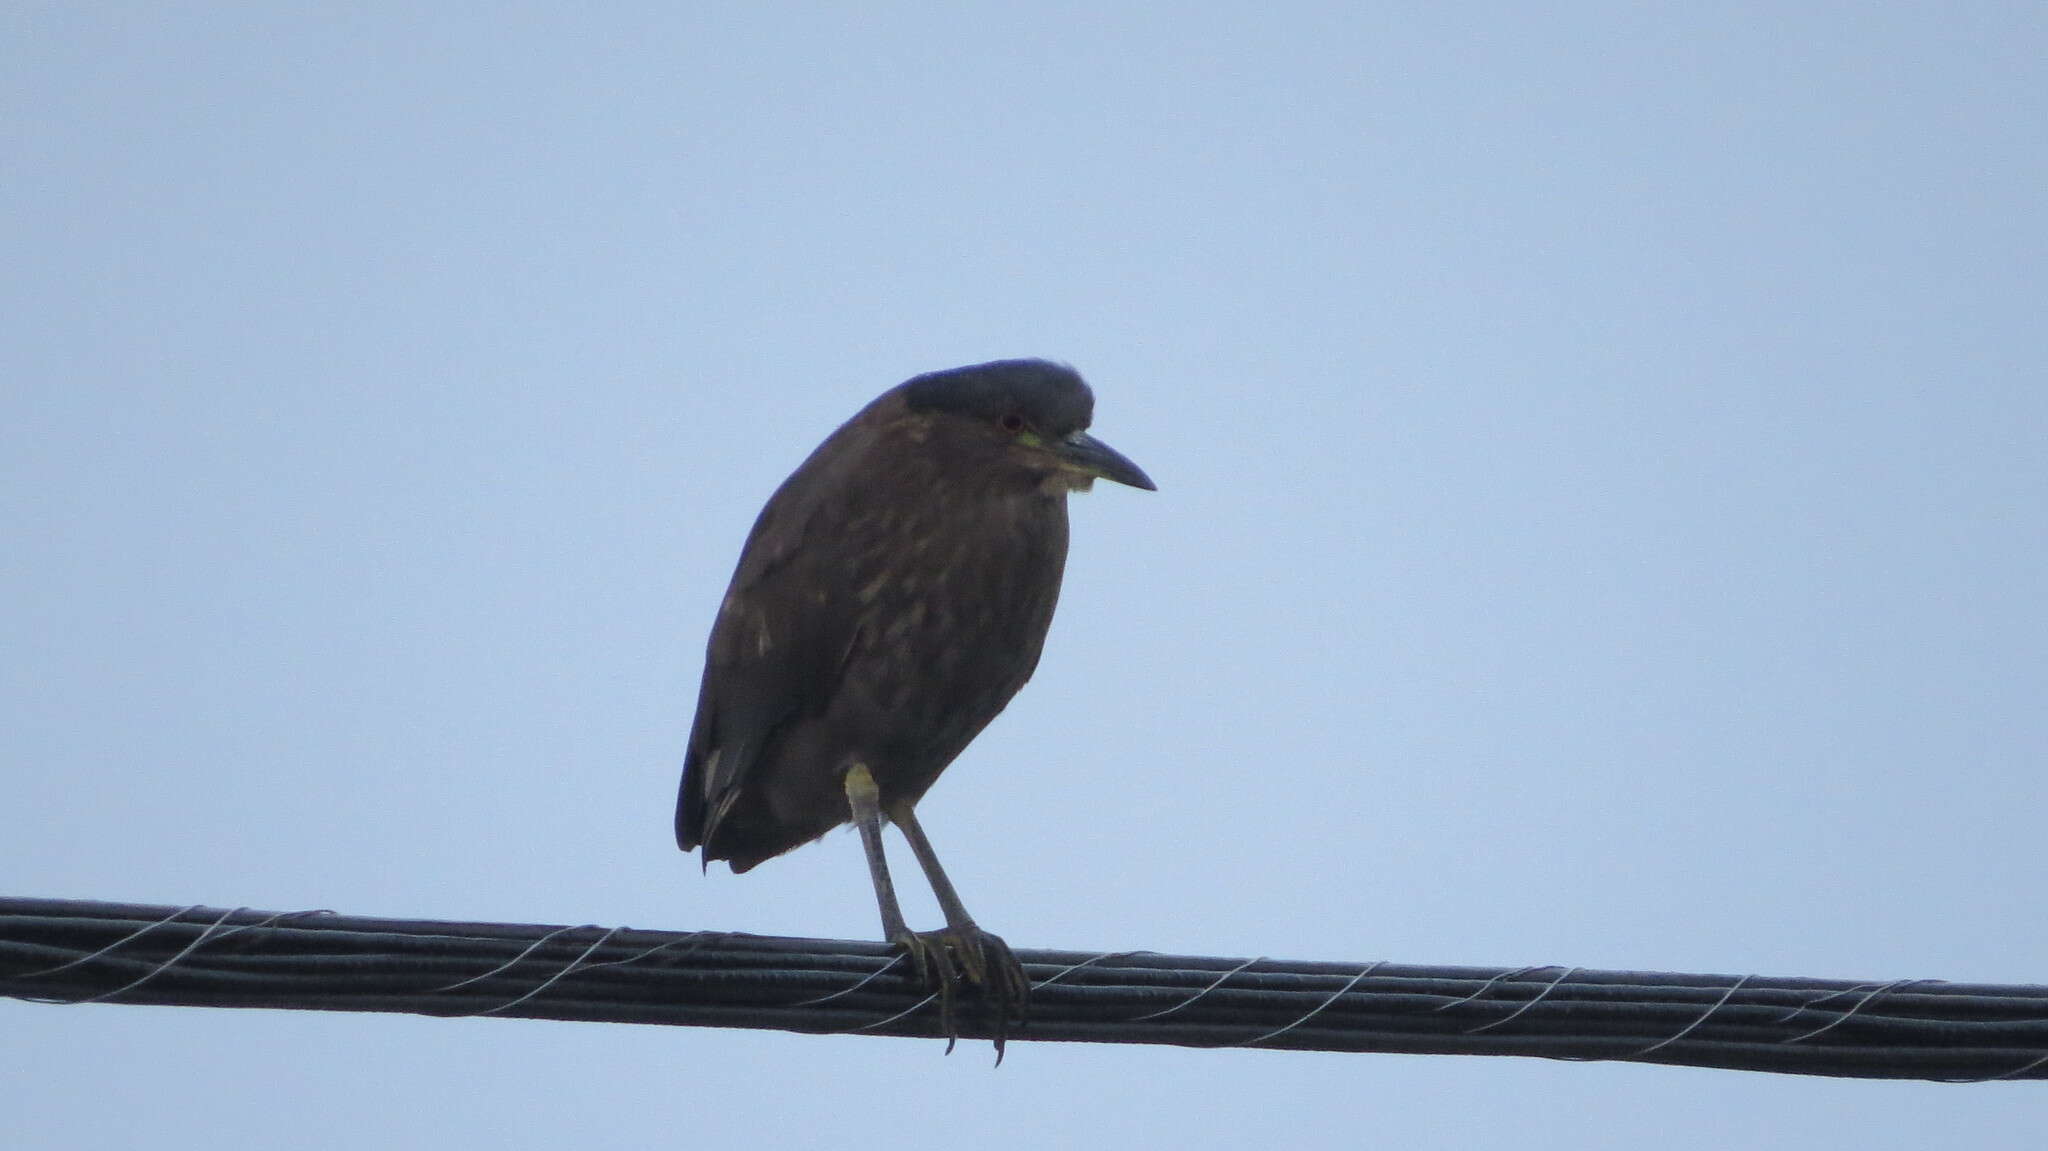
{"x": 893, "y": 595}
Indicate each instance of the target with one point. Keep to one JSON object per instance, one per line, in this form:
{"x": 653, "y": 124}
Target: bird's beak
{"x": 1090, "y": 456}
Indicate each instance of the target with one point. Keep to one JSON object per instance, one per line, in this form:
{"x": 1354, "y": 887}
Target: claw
{"x": 969, "y": 955}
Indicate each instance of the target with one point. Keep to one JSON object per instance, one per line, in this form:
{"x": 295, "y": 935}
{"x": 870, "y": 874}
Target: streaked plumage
{"x": 893, "y": 595}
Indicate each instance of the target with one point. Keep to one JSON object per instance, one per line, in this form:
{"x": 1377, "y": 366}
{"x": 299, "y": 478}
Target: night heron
{"x": 893, "y": 595}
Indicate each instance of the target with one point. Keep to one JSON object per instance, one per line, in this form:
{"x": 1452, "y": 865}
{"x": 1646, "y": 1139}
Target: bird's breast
{"x": 953, "y": 618}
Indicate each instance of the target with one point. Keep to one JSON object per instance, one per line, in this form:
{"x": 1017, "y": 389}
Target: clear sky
{"x": 1601, "y": 457}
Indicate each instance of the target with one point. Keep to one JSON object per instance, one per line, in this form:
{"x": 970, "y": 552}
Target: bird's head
{"x": 1033, "y": 413}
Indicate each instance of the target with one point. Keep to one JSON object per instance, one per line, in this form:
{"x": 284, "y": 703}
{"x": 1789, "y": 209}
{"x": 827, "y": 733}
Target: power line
{"x": 73, "y": 951}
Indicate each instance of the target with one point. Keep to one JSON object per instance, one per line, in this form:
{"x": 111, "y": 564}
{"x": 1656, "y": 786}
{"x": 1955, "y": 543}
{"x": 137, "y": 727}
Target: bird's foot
{"x": 955, "y": 956}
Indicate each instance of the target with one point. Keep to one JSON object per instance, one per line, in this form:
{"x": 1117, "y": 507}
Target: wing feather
{"x": 778, "y": 650}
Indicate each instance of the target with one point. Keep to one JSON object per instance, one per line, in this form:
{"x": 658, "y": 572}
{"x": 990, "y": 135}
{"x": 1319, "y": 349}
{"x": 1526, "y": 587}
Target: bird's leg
{"x": 904, "y": 816}
{"x": 928, "y": 953}
{"x": 984, "y": 958}
{"x": 865, "y": 798}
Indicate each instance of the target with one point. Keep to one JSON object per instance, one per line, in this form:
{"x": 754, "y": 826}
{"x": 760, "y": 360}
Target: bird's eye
{"x": 1013, "y": 423}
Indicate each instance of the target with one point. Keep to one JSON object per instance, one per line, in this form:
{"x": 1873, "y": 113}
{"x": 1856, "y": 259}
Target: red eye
{"x": 1013, "y": 423}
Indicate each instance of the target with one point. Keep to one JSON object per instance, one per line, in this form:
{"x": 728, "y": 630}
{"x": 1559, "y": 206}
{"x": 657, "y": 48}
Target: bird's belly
{"x": 932, "y": 670}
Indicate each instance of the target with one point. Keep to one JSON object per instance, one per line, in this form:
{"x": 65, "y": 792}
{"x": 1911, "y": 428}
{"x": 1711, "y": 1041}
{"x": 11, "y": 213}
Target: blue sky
{"x": 1601, "y": 461}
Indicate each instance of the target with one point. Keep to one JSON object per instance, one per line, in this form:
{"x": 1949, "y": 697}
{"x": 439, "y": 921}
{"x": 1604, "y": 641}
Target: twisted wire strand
{"x": 71, "y": 952}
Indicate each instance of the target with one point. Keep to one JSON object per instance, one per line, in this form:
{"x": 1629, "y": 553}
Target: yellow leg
{"x": 961, "y": 952}
{"x": 865, "y": 798}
